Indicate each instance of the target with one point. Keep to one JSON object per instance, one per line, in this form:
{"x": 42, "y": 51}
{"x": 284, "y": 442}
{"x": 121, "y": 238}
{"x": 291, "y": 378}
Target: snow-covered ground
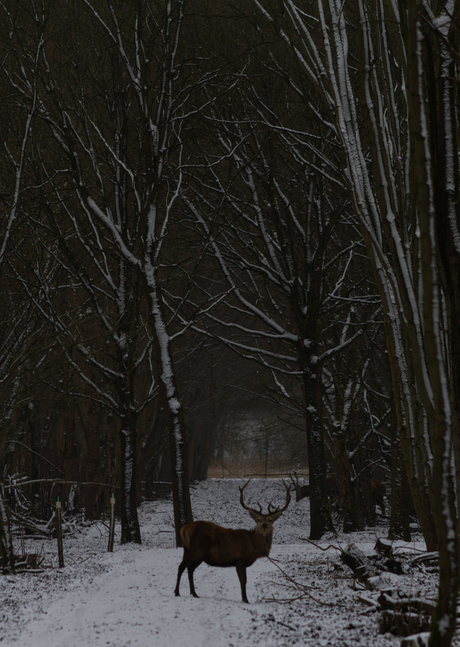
{"x": 126, "y": 598}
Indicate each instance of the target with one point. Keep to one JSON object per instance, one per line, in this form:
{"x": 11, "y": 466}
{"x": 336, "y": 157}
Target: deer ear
{"x": 273, "y": 517}
{"x": 254, "y": 515}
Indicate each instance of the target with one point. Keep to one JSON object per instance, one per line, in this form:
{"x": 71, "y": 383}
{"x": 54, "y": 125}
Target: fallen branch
{"x": 427, "y": 559}
{"x": 298, "y": 586}
{"x": 324, "y": 549}
{"x": 402, "y": 614}
{"x": 27, "y": 523}
{"x": 360, "y": 565}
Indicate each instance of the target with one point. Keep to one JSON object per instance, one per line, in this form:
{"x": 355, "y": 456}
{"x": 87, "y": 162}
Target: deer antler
{"x": 294, "y": 478}
{"x": 259, "y": 511}
{"x": 278, "y": 511}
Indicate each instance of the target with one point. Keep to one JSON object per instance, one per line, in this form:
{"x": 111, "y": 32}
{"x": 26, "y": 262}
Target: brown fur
{"x": 207, "y": 542}
{"x": 218, "y": 546}
{"x": 332, "y": 489}
{"x": 378, "y": 491}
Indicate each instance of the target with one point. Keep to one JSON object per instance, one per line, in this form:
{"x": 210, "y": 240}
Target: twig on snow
{"x": 300, "y": 587}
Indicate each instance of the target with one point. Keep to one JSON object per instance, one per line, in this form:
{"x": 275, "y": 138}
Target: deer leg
{"x": 182, "y": 567}
{"x": 190, "y": 568}
{"x": 241, "y": 570}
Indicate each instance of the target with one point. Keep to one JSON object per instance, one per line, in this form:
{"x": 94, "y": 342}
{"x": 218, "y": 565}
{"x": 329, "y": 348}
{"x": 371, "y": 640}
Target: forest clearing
{"x": 305, "y": 596}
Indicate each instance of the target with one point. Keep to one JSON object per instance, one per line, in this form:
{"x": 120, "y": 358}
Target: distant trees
{"x": 275, "y": 219}
{"x": 19, "y": 81}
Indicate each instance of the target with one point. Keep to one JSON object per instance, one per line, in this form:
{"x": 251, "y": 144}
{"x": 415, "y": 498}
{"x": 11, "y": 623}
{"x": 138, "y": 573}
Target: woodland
{"x": 231, "y": 227}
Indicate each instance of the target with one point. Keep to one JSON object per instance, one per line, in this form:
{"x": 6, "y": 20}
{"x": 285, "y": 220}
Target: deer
{"x": 378, "y": 492}
{"x": 377, "y": 488}
{"x": 302, "y": 491}
{"x": 207, "y": 542}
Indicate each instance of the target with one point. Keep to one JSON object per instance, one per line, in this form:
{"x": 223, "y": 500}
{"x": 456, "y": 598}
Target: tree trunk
{"x": 320, "y": 512}
{"x": 401, "y": 502}
{"x": 6, "y": 543}
{"x": 444, "y": 141}
{"x": 130, "y": 529}
{"x": 352, "y": 518}
{"x": 431, "y": 120}
{"x": 411, "y": 447}
{"x": 174, "y": 414}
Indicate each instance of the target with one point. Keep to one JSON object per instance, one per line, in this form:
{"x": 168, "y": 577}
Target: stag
{"x": 207, "y": 542}
{"x": 377, "y": 488}
{"x": 378, "y": 493}
{"x": 302, "y": 491}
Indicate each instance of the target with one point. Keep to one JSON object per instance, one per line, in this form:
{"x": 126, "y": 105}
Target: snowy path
{"x": 126, "y": 598}
{"x": 134, "y": 605}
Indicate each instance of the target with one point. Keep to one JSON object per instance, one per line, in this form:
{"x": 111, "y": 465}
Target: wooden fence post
{"x": 112, "y": 523}
{"x": 59, "y": 531}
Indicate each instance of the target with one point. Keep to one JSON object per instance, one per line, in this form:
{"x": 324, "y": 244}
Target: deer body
{"x": 378, "y": 493}
{"x": 218, "y": 546}
{"x": 207, "y": 542}
{"x": 332, "y": 489}
{"x": 377, "y": 488}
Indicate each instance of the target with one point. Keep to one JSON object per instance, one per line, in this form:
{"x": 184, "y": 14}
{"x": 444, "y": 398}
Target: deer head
{"x": 264, "y": 522}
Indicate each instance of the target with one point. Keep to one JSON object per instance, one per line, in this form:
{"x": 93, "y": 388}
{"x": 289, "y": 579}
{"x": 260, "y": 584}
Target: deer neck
{"x": 263, "y": 541}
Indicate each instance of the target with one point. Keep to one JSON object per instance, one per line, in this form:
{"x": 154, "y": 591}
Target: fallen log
{"x": 367, "y": 568}
{"x": 403, "y": 615}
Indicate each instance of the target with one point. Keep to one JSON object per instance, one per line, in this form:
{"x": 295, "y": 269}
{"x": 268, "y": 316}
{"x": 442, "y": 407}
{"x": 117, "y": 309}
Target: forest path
{"x": 126, "y": 598}
{"x": 134, "y": 605}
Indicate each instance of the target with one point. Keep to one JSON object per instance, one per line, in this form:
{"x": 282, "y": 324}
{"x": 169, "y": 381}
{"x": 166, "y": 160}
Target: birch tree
{"x": 357, "y": 401}
{"x": 93, "y": 309}
{"x": 390, "y": 95}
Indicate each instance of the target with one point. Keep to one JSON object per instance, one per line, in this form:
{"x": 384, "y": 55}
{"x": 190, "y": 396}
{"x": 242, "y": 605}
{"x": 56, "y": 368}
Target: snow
{"x": 126, "y": 598}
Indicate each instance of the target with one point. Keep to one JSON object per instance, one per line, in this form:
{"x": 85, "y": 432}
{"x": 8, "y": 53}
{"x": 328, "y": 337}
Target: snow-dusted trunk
{"x": 6, "y": 543}
{"x": 320, "y": 513}
{"x": 430, "y": 67}
{"x": 130, "y": 530}
{"x": 174, "y": 411}
{"x": 352, "y": 517}
{"x": 440, "y": 70}
{"x": 126, "y": 397}
{"x": 410, "y": 427}
{"x": 147, "y": 43}
{"x": 401, "y": 508}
